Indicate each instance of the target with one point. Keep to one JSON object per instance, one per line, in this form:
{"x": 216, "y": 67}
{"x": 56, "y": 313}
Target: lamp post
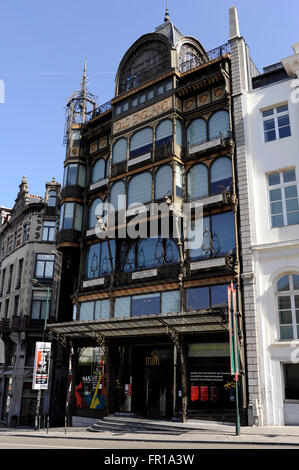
{"x": 39, "y": 392}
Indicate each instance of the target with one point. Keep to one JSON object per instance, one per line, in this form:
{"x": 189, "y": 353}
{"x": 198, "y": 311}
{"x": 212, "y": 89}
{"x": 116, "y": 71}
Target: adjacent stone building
{"x": 29, "y": 263}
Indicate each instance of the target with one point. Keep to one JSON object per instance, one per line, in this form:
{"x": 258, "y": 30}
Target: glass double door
{"x": 144, "y": 380}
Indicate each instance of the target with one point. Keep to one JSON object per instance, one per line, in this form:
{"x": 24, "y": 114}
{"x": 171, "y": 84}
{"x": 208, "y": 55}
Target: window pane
{"x": 140, "y": 189}
{"x": 289, "y": 175}
{"x": 102, "y": 309}
{"x": 78, "y": 217}
{"x": 122, "y": 307}
{"x": 283, "y": 108}
{"x": 196, "y": 132}
{"x": 35, "y": 311}
{"x": 141, "y": 142}
{"x": 86, "y": 311}
{"x": 68, "y": 215}
{"x": 72, "y": 174}
{"x": 296, "y": 301}
{"x": 146, "y": 304}
{"x": 283, "y": 120}
{"x": 117, "y": 199}
{"x": 197, "y": 180}
{"x": 285, "y": 317}
{"x": 273, "y": 179}
{"x": 268, "y": 112}
{"x": 290, "y": 191}
{"x": 170, "y": 301}
{"x": 119, "y": 152}
{"x": 269, "y": 125}
{"x": 270, "y": 135}
{"x": 277, "y": 221}
{"x": 219, "y": 125}
{"x": 221, "y": 174}
{"x": 223, "y": 233}
{"x": 292, "y": 205}
{"x": 275, "y": 195}
{"x": 219, "y": 296}
{"x": 164, "y": 132}
{"x": 198, "y": 298}
{"x": 92, "y": 261}
{"x": 98, "y": 172}
{"x": 276, "y": 208}
{"x": 293, "y": 218}
{"x": 95, "y": 210}
{"x": 81, "y": 177}
{"x": 49, "y": 269}
{"x": 39, "y": 271}
{"x": 284, "y": 302}
{"x": 127, "y": 256}
{"x": 291, "y": 377}
{"x": 203, "y": 251}
{"x": 283, "y": 283}
{"x": 296, "y": 281}
{"x": 284, "y": 132}
{"x": 286, "y": 332}
{"x": 163, "y": 182}
{"x": 150, "y": 253}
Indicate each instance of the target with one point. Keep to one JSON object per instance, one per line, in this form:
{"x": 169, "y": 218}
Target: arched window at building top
{"x": 141, "y": 142}
{"x": 99, "y": 171}
{"x": 164, "y": 132}
{"x": 119, "y": 151}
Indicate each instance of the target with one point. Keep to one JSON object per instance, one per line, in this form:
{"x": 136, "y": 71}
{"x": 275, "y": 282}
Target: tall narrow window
{"x": 197, "y": 181}
{"x": 287, "y": 293}
{"x": 117, "y": 196}
{"x": 48, "y": 230}
{"x": 52, "y": 198}
{"x": 20, "y": 274}
{"x": 44, "y": 266}
{"x": 25, "y": 233}
{"x": 39, "y": 305}
{"x": 140, "y": 189}
{"x": 164, "y": 132}
{"x": 96, "y": 210}
{"x": 219, "y": 125}
{"x": 163, "y": 182}
{"x": 221, "y": 175}
{"x": 283, "y": 198}
{"x": 141, "y": 142}
{"x": 119, "y": 152}
{"x": 196, "y": 132}
{"x": 99, "y": 171}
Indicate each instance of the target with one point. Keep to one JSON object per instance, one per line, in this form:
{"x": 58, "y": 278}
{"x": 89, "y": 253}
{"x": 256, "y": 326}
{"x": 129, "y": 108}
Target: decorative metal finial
{"x": 166, "y": 17}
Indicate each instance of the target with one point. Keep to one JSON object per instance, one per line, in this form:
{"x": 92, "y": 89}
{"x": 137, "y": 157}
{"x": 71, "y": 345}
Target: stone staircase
{"x": 135, "y": 424}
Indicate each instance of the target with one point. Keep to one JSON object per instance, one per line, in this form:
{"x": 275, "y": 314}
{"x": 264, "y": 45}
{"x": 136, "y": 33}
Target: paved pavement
{"x": 200, "y": 432}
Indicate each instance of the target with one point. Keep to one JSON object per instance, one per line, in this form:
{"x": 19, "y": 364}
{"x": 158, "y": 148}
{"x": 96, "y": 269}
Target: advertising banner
{"x": 41, "y": 370}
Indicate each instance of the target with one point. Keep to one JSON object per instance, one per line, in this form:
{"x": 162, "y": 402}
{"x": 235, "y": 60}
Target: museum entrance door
{"x": 145, "y": 380}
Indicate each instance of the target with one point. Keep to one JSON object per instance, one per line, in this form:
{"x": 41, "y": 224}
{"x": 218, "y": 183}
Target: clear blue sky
{"x": 43, "y": 46}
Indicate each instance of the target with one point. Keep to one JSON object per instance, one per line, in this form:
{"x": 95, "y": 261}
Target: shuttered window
{"x": 96, "y": 209}
{"x": 122, "y": 307}
{"x": 98, "y": 171}
{"x": 196, "y": 132}
{"x": 197, "y": 181}
{"x": 141, "y": 142}
{"x": 163, "y": 182}
{"x": 119, "y": 152}
{"x": 164, "y": 132}
{"x": 221, "y": 174}
{"x": 170, "y": 301}
{"x": 140, "y": 189}
{"x": 118, "y": 190}
{"x": 219, "y": 125}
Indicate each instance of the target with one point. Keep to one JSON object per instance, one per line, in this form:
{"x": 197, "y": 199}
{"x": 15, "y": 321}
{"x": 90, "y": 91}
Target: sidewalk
{"x": 207, "y": 433}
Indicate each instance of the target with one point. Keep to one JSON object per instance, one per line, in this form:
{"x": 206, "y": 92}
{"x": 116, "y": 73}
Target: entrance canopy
{"x": 146, "y": 325}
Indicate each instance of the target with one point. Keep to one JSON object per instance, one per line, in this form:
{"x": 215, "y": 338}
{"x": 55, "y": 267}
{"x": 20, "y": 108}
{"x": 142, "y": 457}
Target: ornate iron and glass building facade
{"x": 145, "y": 317}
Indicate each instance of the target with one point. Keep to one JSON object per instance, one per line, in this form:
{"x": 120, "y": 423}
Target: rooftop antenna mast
{"x": 166, "y": 17}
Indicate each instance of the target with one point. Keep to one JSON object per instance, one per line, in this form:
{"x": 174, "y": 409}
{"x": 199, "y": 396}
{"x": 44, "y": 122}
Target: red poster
{"x": 214, "y": 393}
{"x": 204, "y": 393}
{"x": 194, "y": 392}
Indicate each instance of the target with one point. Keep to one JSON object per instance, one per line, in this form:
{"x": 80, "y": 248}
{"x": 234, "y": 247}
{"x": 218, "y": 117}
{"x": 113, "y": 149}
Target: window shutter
{"x": 98, "y": 171}
{"x": 119, "y": 152}
{"x": 196, "y": 132}
{"x": 164, "y": 132}
{"x": 163, "y": 182}
{"x": 140, "y": 189}
{"x": 219, "y": 125}
{"x": 197, "y": 180}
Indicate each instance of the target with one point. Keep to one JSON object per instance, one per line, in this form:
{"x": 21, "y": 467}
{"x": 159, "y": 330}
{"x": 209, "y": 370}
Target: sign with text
{"x": 41, "y": 370}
